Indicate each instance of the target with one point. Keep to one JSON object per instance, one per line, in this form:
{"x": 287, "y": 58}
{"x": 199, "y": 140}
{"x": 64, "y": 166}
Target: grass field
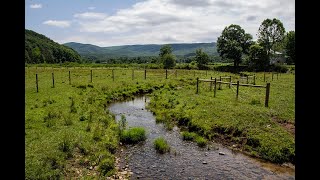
{"x": 69, "y": 132}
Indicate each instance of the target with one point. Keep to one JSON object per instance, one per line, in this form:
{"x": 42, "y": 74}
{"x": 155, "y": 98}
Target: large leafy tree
{"x": 258, "y": 57}
{"x": 166, "y": 57}
{"x": 234, "y": 42}
{"x": 289, "y": 46}
{"x": 270, "y": 33}
{"x": 201, "y": 58}
{"x": 165, "y": 49}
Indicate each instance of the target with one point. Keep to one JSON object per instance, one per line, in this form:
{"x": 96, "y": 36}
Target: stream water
{"x": 186, "y": 160}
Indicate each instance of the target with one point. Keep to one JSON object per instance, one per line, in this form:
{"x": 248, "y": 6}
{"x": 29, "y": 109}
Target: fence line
{"x": 267, "y": 86}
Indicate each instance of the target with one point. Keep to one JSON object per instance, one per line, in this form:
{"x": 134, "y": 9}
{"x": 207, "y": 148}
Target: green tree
{"x": 169, "y": 61}
{"x": 166, "y": 57}
{"x": 202, "y": 59}
{"x": 258, "y": 57}
{"x": 233, "y": 42}
{"x": 290, "y": 43}
{"x": 270, "y": 33}
{"x": 165, "y": 49}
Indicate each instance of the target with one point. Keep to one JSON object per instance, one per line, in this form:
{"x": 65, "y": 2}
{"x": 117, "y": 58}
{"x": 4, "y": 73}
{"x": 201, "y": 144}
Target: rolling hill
{"x": 41, "y": 49}
{"x": 180, "y": 50}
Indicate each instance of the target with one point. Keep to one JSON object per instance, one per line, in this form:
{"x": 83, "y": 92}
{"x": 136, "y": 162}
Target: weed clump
{"x": 161, "y": 145}
{"x": 202, "y": 142}
{"x": 133, "y": 135}
{"x": 188, "y": 136}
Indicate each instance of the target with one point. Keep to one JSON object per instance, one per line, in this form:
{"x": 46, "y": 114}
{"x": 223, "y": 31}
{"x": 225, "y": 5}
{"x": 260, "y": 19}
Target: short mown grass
{"x": 161, "y": 145}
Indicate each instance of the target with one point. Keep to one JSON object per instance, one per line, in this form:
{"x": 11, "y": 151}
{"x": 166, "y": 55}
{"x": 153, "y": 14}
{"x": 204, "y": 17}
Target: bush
{"x": 188, "y": 136}
{"x": 133, "y": 135}
{"x": 161, "y": 145}
{"x": 106, "y": 166}
{"x": 202, "y": 142}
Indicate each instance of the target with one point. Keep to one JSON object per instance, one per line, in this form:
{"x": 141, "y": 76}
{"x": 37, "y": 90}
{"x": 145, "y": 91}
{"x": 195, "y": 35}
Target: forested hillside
{"x": 182, "y": 50}
{"x": 40, "y": 49}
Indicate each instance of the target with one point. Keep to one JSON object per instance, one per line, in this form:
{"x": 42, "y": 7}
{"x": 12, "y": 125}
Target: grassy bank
{"x": 69, "y": 132}
{"x": 264, "y": 132}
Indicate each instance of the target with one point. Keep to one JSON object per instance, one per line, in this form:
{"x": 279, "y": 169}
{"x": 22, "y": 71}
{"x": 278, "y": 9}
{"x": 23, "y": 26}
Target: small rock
{"x": 124, "y": 172}
{"x": 268, "y": 126}
{"x": 234, "y": 146}
{"x": 221, "y": 153}
{"x": 127, "y": 166}
{"x": 162, "y": 170}
{"x": 206, "y": 154}
{"x": 90, "y": 167}
{"x": 204, "y": 162}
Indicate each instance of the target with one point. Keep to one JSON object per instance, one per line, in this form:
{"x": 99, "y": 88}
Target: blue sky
{"x": 120, "y": 22}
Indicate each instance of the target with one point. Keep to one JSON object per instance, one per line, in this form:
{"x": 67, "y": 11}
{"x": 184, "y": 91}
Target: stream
{"x": 186, "y": 160}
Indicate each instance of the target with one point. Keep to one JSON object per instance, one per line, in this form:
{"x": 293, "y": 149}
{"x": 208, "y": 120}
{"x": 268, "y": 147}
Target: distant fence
{"x": 215, "y": 82}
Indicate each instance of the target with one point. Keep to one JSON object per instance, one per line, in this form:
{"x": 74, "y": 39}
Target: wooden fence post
{"x": 230, "y": 82}
{"x": 37, "y": 82}
{"x": 267, "y": 94}
{"x": 69, "y": 78}
{"x": 220, "y": 84}
{"x": 52, "y": 80}
{"x": 237, "y": 90}
{"x": 215, "y": 87}
{"x": 211, "y": 84}
{"x": 91, "y": 75}
{"x": 197, "y": 85}
{"x": 113, "y": 74}
{"x": 254, "y": 79}
{"x": 145, "y": 74}
{"x": 166, "y": 73}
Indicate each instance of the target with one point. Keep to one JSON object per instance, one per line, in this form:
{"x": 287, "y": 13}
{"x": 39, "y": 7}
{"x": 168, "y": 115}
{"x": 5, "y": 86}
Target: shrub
{"x": 133, "y": 135}
{"x": 161, "y": 145}
{"x": 188, "y": 136}
{"x": 106, "y": 166}
{"x": 202, "y": 142}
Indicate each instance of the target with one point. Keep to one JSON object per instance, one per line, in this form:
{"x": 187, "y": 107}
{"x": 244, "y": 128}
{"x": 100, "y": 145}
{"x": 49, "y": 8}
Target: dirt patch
{"x": 290, "y": 127}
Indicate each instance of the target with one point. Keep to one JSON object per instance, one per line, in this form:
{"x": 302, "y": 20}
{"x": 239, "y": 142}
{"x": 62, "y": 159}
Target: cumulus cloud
{"x": 61, "y": 24}
{"x": 168, "y": 21}
{"x": 36, "y": 6}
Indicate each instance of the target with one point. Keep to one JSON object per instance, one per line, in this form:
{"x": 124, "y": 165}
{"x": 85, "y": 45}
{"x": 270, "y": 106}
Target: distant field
{"x": 70, "y": 133}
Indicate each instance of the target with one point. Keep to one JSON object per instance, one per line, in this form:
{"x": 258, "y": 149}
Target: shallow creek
{"x": 186, "y": 160}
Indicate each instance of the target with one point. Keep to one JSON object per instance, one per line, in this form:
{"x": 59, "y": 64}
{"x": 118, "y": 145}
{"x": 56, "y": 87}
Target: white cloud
{"x": 90, "y": 15}
{"x": 36, "y": 6}
{"x": 169, "y": 21}
{"x": 62, "y": 24}
{"x": 91, "y": 8}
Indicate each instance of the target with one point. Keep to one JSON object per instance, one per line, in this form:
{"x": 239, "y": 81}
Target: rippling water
{"x": 186, "y": 160}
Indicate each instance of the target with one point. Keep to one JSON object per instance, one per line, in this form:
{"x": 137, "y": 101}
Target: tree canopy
{"x": 271, "y": 32}
{"x": 233, "y": 42}
{"x": 290, "y": 43}
{"x": 40, "y": 49}
{"x": 258, "y": 57}
{"x": 201, "y": 58}
{"x": 166, "y": 57}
